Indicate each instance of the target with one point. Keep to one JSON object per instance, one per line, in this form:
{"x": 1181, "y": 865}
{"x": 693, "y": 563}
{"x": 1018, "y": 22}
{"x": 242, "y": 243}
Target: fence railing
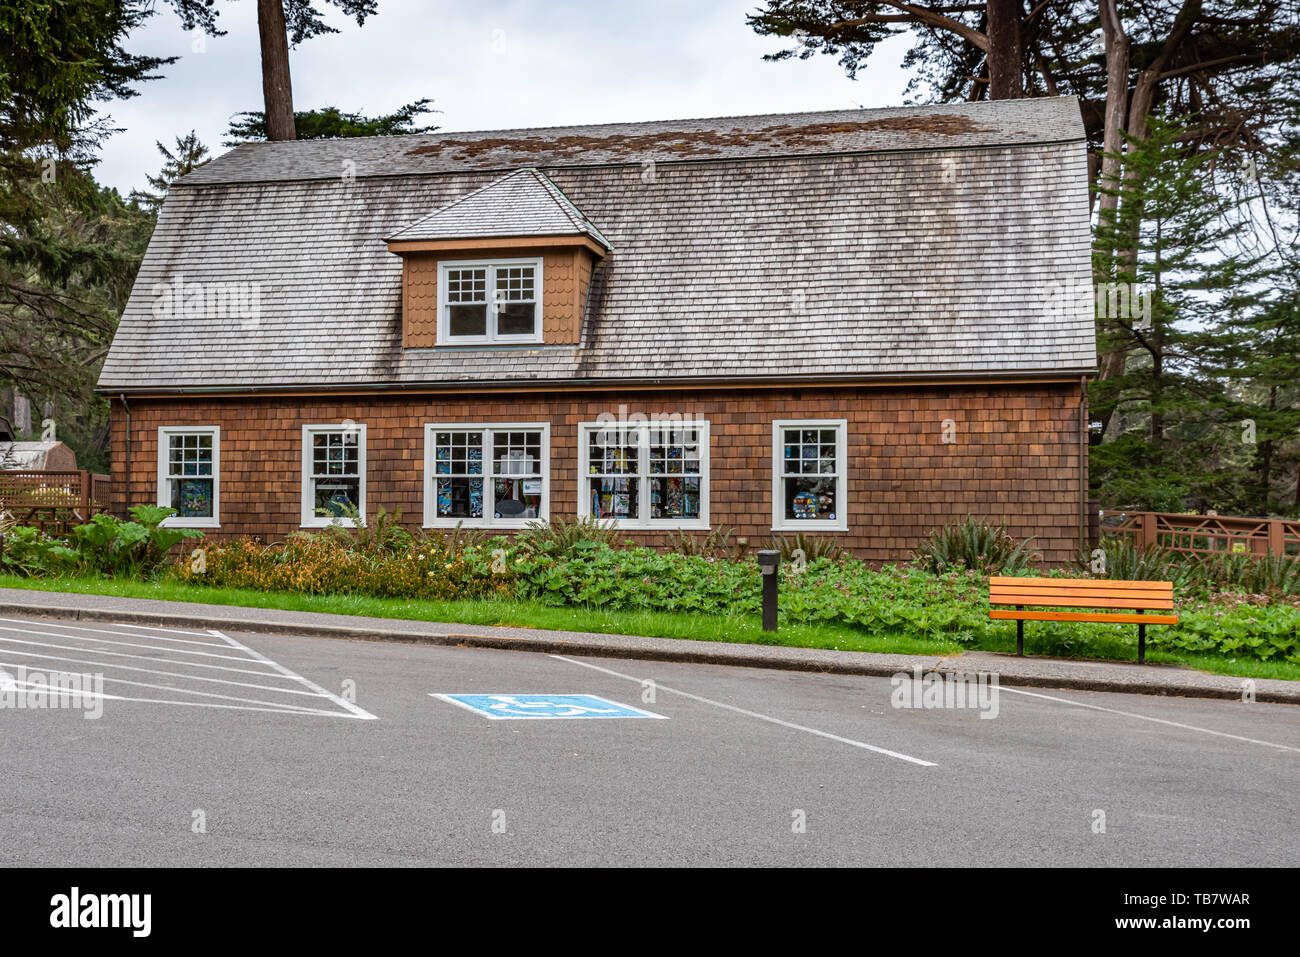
{"x": 53, "y": 501}
{"x": 1207, "y": 534}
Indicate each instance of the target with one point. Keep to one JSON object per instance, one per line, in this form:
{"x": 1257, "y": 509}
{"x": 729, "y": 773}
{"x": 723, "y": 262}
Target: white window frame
{"x": 643, "y": 520}
{"x": 309, "y": 517}
{"x": 491, "y": 265}
{"x": 488, "y": 518}
{"x": 841, "y": 521}
{"x": 164, "y": 474}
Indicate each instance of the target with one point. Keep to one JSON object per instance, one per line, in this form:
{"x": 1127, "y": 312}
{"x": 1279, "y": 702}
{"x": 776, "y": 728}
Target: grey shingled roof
{"x": 522, "y": 203}
{"x": 951, "y": 126}
{"x": 961, "y": 253}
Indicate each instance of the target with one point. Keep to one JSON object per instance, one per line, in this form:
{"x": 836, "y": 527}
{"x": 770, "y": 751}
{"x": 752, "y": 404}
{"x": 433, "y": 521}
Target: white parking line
{"x": 156, "y": 671}
{"x": 1143, "y": 717}
{"x": 133, "y": 644}
{"x": 341, "y": 702}
{"x": 172, "y": 681}
{"x": 119, "y": 634}
{"x": 174, "y": 688}
{"x": 755, "y": 714}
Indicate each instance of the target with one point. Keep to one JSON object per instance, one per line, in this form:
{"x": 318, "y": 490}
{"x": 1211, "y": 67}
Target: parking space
{"x": 735, "y": 766}
{"x": 164, "y": 666}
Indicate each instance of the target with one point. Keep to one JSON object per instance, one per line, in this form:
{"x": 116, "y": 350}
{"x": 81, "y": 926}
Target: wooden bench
{"x": 1082, "y": 593}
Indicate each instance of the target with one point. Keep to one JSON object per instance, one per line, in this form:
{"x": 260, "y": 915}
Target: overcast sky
{"x": 487, "y": 64}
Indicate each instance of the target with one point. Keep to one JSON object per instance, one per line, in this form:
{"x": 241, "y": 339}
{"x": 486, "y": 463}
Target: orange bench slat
{"x": 1079, "y": 601}
{"x": 1082, "y": 584}
{"x": 1133, "y": 619}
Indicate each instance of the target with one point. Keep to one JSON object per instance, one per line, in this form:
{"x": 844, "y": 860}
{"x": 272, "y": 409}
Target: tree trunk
{"x": 1111, "y": 364}
{"x": 1266, "y": 456}
{"x": 1116, "y": 105}
{"x": 277, "y": 90}
{"x": 1144, "y": 95}
{"x": 1004, "y": 56}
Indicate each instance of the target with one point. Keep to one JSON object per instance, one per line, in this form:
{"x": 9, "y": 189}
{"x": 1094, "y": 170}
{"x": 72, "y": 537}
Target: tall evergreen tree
{"x": 1171, "y": 270}
{"x": 69, "y": 250}
{"x": 190, "y": 155}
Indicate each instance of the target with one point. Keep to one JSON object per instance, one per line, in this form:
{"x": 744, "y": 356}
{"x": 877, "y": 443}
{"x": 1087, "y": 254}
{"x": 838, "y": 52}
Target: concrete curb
{"x": 1027, "y": 672}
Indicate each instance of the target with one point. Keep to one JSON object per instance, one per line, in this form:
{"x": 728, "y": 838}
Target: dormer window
{"x": 485, "y": 301}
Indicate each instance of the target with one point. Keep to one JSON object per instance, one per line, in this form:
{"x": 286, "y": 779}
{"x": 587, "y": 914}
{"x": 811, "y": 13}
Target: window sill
{"x": 177, "y": 522}
{"x": 664, "y": 525}
{"x": 502, "y": 523}
{"x": 811, "y": 527}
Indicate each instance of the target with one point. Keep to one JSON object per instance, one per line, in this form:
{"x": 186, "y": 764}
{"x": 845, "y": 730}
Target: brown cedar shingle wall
{"x": 1016, "y": 456}
{"x": 565, "y": 273}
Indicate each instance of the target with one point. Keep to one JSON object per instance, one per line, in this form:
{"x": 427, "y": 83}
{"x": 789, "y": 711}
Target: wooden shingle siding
{"x": 419, "y": 301}
{"x": 566, "y": 272}
{"x": 1015, "y": 456}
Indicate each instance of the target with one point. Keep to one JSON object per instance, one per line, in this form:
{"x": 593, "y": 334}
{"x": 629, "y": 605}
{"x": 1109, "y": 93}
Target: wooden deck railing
{"x": 1207, "y": 534}
{"x": 53, "y": 501}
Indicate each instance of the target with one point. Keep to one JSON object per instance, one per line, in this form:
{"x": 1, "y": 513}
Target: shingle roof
{"x": 522, "y": 203}
{"x": 950, "y": 126}
{"x": 967, "y": 256}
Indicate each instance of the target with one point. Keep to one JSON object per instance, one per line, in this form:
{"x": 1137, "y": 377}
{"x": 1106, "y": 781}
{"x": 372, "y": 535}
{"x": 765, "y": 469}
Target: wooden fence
{"x": 52, "y": 501}
{"x": 1207, "y": 534}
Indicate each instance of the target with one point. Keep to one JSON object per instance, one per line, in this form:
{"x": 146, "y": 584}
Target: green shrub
{"x": 1258, "y": 574}
{"x": 559, "y": 536}
{"x": 334, "y": 565}
{"x": 29, "y": 553}
{"x": 1236, "y": 629}
{"x": 812, "y": 547}
{"x": 976, "y": 546}
{"x": 715, "y": 544}
{"x": 111, "y": 546}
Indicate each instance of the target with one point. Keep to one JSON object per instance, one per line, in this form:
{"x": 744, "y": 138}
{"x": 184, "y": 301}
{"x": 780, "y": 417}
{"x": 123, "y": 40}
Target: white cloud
{"x": 493, "y": 64}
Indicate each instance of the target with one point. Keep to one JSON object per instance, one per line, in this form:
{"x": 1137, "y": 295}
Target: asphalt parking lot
{"x": 248, "y": 749}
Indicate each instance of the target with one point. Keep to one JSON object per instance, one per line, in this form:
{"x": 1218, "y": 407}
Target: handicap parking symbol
{"x": 534, "y": 706}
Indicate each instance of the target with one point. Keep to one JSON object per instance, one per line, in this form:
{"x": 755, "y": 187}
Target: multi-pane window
{"x": 334, "y": 474}
{"x": 490, "y": 301}
{"x": 808, "y": 474}
{"x": 651, "y": 475}
{"x": 467, "y": 302}
{"x": 188, "y": 465}
{"x": 674, "y": 473}
{"x": 486, "y": 474}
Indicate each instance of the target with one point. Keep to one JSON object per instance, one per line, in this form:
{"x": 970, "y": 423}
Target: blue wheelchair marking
{"x": 534, "y": 706}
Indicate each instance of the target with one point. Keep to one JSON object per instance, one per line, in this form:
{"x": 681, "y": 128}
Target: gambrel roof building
{"x": 859, "y": 323}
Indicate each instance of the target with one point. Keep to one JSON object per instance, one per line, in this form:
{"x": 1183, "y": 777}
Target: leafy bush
{"x": 1126, "y": 561}
{"x": 1237, "y": 629}
{"x": 1257, "y": 574}
{"x": 976, "y": 546}
{"x": 385, "y": 533}
{"x": 333, "y": 565}
{"x": 813, "y": 548}
{"x": 112, "y": 546}
{"x": 104, "y": 545}
{"x": 559, "y": 536}
{"x": 716, "y": 544}
{"x": 29, "y": 553}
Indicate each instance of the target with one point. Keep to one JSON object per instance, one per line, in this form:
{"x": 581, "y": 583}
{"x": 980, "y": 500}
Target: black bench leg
{"x": 1142, "y": 644}
{"x": 1020, "y": 635}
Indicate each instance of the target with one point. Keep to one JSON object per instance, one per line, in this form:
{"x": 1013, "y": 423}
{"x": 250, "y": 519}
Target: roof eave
{"x": 475, "y": 243}
{"x": 621, "y": 382}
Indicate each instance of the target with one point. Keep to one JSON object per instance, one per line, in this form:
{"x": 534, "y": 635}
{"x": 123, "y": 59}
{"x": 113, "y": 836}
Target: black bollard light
{"x": 768, "y": 562}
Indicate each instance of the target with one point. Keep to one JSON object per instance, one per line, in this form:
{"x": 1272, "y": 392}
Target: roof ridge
{"x": 672, "y": 119}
